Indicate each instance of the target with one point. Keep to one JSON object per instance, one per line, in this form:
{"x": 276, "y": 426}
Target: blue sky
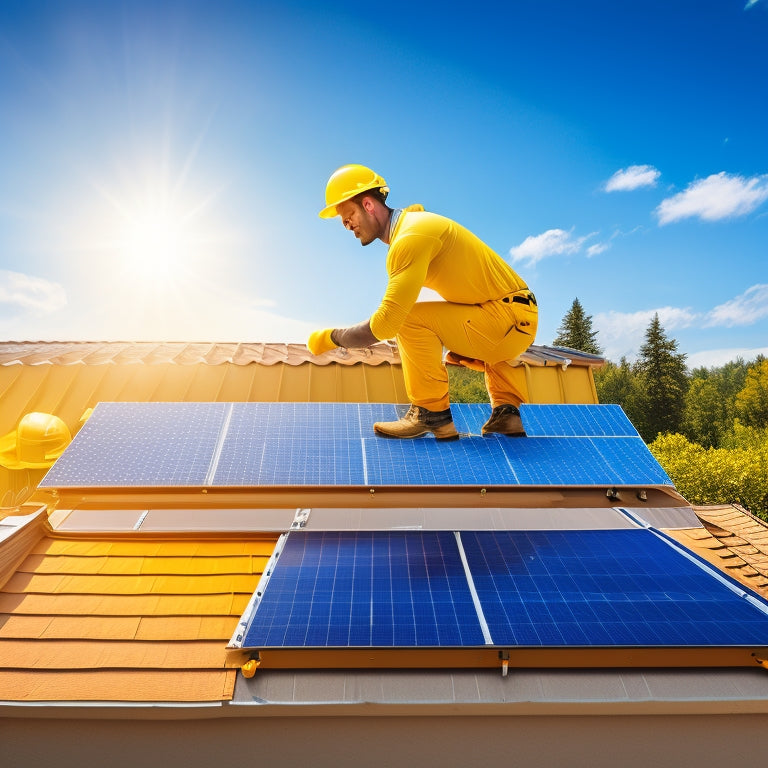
{"x": 163, "y": 163}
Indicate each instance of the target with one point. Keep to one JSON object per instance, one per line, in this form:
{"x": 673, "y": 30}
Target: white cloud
{"x": 633, "y": 177}
{"x": 714, "y": 358}
{"x": 593, "y": 250}
{"x": 34, "y": 294}
{"x": 719, "y": 196}
{"x": 746, "y": 309}
{"x": 621, "y": 334}
{"x": 750, "y": 3}
{"x": 553, "y": 242}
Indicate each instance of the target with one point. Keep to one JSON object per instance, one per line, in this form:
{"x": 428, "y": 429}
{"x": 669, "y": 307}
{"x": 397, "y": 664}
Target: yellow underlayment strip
{"x": 124, "y": 686}
{"x": 146, "y": 546}
{"x": 179, "y": 584}
{"x": 36, "y": 627}
{"x": 126, "y": 605}
{"x": 95, "y": 654}
{"x": 105, "y": 565}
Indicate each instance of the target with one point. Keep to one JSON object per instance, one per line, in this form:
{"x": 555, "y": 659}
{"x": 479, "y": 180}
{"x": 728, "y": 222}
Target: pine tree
{"x": 663, "y": 384}
{"x": 576, "y": 332}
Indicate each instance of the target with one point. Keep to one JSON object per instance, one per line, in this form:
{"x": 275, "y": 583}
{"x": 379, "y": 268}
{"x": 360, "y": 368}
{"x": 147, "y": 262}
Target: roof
{"x": 734, "y": 540}
{"x": 211, "y": 353}
{"x": 136, "y": 603}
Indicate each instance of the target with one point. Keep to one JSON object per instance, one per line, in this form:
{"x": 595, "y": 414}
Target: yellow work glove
{"x": 320, "y": 341}
{"x": 452, "y": 358}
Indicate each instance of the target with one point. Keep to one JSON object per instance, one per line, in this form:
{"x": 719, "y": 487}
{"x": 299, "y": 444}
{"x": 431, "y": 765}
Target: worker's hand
{"x": 452, "y": 358}
{"x": 320, "y": 341}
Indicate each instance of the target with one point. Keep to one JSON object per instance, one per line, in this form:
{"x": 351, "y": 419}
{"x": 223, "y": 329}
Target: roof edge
{"x": 64, "y": 353}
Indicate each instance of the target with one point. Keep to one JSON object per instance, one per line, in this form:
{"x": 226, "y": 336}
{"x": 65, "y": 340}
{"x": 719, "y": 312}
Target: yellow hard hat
{"x": 345, "y": 183}
{"x": 36, "y": 443}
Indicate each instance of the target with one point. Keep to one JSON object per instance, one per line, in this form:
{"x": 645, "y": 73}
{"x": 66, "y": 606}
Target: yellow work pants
{"x": 494, "y": 332}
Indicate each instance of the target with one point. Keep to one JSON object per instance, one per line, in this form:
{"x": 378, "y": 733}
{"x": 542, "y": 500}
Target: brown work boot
{"x": 505, "y": 420}
{"x": 418, "y": 421}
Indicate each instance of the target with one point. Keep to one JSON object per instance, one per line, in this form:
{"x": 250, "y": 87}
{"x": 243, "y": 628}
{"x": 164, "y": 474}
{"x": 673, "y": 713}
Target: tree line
{"x": 708, "y": 427}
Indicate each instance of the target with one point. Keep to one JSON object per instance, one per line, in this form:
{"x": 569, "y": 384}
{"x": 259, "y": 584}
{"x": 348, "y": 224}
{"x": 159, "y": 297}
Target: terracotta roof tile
{"x": 189, "y": 353}
{"x": 733, "y": 540}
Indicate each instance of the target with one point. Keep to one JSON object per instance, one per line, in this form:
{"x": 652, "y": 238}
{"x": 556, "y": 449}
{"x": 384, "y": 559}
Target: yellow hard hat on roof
{"x": 347, "y": 182}
{"x": 36, "y": 443}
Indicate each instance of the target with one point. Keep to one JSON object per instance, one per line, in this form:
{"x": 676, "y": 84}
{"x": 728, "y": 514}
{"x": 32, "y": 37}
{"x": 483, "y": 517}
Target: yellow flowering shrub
{"x": 716, "y": 475}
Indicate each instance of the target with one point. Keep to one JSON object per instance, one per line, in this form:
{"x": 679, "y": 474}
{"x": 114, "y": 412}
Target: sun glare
{"x": 154, "y": 243}
{"x": 155, "y": 251}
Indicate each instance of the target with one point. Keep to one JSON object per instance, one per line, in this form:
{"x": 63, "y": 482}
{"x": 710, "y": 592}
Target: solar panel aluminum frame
{"x": 503, "y": 657}
{"x": 236, "y": 641}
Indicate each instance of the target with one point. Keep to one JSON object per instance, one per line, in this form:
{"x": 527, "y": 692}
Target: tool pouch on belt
{"x": 526, "y": 311}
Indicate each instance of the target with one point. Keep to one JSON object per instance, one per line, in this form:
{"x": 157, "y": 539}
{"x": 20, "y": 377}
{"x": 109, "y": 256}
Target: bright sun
{"x": 154, "y": 243}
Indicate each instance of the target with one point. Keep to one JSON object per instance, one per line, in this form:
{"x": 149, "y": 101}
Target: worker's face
{"x": 356, "y": 218}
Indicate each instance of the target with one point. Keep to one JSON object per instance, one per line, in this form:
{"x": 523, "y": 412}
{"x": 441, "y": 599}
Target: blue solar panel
{"x": 366, "y": 590}
{"x": 425, "y": 462}
{"x": 573, "y": 461}
{"x": 333, "y": 444}
{"x": 603, "y": 588}
{"x": 606, "y": 588}
{"x": 552, "y": 420}
{"x": 284, "y": 462}
{"x": 141, "y": 444}
{"x": 576, "y": 421}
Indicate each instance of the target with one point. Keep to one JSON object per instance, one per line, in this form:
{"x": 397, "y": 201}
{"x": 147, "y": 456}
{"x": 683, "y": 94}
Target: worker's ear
{"x": 368, "y": 204}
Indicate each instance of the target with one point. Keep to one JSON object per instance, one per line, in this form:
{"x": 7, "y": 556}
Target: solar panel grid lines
{"x": 365, "y": 589}
{"x": 576, "y": 420}
{"x": 180, "y": 439}
{"x": 622, "y": 457}
{"x": 425, "y": 462}
{"x": 236, "y": 445}
{"x": 622, "y": 587}
{"x": 606, "y": 588}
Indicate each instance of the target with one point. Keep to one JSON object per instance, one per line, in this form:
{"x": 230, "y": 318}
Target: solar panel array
{"x": 608, "y": 588}
{"x": 139, "y": 445}
{"x": 429, "y": 589}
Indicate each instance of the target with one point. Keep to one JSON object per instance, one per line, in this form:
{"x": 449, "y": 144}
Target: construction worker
{"x": 488, "y": 313}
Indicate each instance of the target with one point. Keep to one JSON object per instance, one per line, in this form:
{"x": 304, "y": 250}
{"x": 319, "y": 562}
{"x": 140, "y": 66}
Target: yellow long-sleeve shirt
{"x": 432, "y": 251}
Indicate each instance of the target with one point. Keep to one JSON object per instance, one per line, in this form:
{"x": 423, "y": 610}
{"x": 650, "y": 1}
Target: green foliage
{"x": 737, "y": 475}
{"x": 704, "y": 419}
{"x": 576, "y": 332}
{"x": 752, "y": 401}
{"x": 466, "y": 385}
{"x": 710, "y": 402}
{"x": 619, "y": 384}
